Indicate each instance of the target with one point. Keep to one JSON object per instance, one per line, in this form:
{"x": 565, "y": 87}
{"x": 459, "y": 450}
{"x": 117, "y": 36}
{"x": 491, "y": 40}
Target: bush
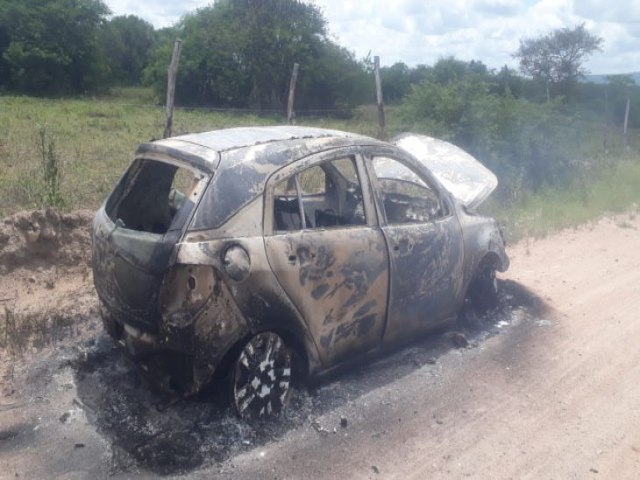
{"x": 524, "y": 143}
{"x": 51, "y": 171}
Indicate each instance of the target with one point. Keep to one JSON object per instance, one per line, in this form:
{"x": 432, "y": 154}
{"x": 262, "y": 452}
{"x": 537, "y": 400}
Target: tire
{"x": 262, "y": 375}
{"x": 111, "y": 326}
{"x": 483, "y": 291}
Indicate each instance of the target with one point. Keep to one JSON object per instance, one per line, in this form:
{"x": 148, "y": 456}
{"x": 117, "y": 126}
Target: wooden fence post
{"x": 605, "y": 141}
{"x": 171, "y": 86}
{"x": 292, "y": 93}
{"x": 376, "y": 64}
{"x": 625, "y": 139}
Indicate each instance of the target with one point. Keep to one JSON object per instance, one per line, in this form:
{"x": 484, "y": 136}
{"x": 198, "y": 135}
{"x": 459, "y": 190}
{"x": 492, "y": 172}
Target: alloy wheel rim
{"x": 262, "y": 380}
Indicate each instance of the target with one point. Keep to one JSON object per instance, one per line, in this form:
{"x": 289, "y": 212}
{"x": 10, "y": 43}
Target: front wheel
{"x": 261, "y": 382}
{"x": 483, "y": 291}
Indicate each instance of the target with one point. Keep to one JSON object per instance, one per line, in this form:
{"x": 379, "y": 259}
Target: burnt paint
{"x": 344, "y": 311}
{"x": 242, "y": 174}
{"x": 319, "y": 292}
{"x": 128, "y": 270}
{"x": 426, "y": 273}
{"x": 482, "y": 240}
{"x": 259, "y": 299}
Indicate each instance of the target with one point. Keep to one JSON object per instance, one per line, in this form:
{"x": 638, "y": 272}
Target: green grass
{"x": 615, "y": 189}
{"x": 94, "y": 140}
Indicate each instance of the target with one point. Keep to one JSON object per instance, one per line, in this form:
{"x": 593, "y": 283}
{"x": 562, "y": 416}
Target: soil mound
{"x": 46, "y": 288}
{"x": 44, "y": 239}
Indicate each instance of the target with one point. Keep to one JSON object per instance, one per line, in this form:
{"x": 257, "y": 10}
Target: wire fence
{"x": 303, "y": 112}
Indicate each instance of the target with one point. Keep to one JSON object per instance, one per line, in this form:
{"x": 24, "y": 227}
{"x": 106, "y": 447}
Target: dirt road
{"x": 548, "y": 387}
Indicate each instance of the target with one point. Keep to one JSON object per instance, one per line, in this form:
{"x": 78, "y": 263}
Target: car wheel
{"x": 483, "y": 291}
{"x": 261, "y": 382}
{"x": 111, "y": 326}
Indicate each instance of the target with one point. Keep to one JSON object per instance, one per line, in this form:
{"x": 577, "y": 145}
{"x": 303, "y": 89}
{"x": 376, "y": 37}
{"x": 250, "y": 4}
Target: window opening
{"x": 154, "y": 195}
{"x": 406, "y": 198}
{"x": 330, "y": 193}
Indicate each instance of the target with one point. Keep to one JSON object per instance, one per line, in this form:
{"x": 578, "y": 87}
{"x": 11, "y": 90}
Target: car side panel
{"x": 258, "y": 297}
{"x": 482, "y": 239}
{"x": 426, "y": 276}
{"x": 338, "y": 280}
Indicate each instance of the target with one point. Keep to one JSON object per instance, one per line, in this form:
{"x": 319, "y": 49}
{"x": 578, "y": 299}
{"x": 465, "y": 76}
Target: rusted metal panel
{"x": 260, "y": 299}
{"x": 128, "y": 270}
{"x": 338, "y": 280}
{"x": 426, "y": 276}
{"x": 243, "y": 173}
{"x": 461, "y": 174}
{"x": 233, "y": 138}
{"x": 200, "y": 317}
{"x": 482, "y": 238}
{"x": 246, "y": 223}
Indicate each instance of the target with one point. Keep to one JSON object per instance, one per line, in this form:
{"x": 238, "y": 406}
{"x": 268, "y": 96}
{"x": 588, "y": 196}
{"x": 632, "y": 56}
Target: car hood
{"x": 461, "y": 174}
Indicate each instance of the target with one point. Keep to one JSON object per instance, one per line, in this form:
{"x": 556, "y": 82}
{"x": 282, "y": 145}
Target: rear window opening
{"x": 154, "y": 196}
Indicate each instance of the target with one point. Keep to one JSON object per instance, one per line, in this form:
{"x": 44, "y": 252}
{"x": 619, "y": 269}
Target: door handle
{"x": 292, "y": 259}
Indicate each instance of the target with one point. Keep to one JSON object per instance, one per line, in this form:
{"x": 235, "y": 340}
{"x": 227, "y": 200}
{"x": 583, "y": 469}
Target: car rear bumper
{"x": 168, "y": 368}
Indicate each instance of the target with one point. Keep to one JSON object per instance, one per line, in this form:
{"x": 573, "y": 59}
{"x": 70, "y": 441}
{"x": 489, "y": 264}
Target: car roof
{"x": 203, "y": 150}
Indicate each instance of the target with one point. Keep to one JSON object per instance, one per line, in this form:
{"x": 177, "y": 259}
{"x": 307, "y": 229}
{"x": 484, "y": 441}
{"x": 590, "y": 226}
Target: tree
{"x": 127, "y": 42}
{"x": 50, "y": 47}
{"x": 239, "y": 53}
{"x": 558, "y": 57}
{"x": 334, "y": 79}
{"x": 396, "y": 81}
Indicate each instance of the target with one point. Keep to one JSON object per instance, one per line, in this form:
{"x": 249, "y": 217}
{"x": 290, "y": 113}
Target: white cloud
{"x": 608, "y": 11}
{"x": 419, "y": 31}
{"x": 498, "y": 7}
{"x": 486, "y": 30}
{"x": 161, "y": 13}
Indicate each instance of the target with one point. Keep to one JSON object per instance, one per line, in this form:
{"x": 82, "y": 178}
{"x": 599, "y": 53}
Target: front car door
{"x": 327, "y": 252}
{"x": 424, "y": 242}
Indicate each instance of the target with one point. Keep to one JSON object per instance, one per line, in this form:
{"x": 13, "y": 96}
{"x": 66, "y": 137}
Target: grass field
{"x": 91, "y": 140}
{"x": 615, "y": 191}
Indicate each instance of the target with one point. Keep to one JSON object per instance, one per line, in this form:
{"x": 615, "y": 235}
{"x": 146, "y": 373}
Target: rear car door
{"x": 327, "y": 252}
{"x": 425, "y": 247}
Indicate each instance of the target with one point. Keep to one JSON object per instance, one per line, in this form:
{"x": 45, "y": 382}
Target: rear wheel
{"x": 261, "y": 381}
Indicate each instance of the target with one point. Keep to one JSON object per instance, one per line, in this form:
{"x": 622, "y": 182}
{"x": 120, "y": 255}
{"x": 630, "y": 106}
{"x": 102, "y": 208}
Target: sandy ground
{"x": 548, "y": 387}
{"x": 558, "y": 397}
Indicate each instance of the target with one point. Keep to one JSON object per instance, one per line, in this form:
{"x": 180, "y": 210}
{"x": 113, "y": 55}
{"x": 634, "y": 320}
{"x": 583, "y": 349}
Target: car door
{"x": 424, "y": 243}
{"x": 327, "y": 252}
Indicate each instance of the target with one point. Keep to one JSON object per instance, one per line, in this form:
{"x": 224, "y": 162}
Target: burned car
{"x": 267, "y": 255}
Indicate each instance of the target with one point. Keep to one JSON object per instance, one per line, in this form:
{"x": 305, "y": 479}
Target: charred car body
{"x": 279, "y": 252}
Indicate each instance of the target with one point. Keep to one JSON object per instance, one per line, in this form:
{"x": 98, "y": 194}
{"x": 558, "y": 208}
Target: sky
{"x": 422, "y": 31}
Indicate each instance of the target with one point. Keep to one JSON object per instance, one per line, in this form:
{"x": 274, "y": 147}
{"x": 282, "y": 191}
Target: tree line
{"x": 239, "y": 53}
{"x": 236, "y": 53}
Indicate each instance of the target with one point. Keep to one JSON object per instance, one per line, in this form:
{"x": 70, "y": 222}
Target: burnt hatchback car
{"x": 266, "y": 255}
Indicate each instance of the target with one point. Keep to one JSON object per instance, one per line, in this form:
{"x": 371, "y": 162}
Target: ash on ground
{"x": 152, "y": 431}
